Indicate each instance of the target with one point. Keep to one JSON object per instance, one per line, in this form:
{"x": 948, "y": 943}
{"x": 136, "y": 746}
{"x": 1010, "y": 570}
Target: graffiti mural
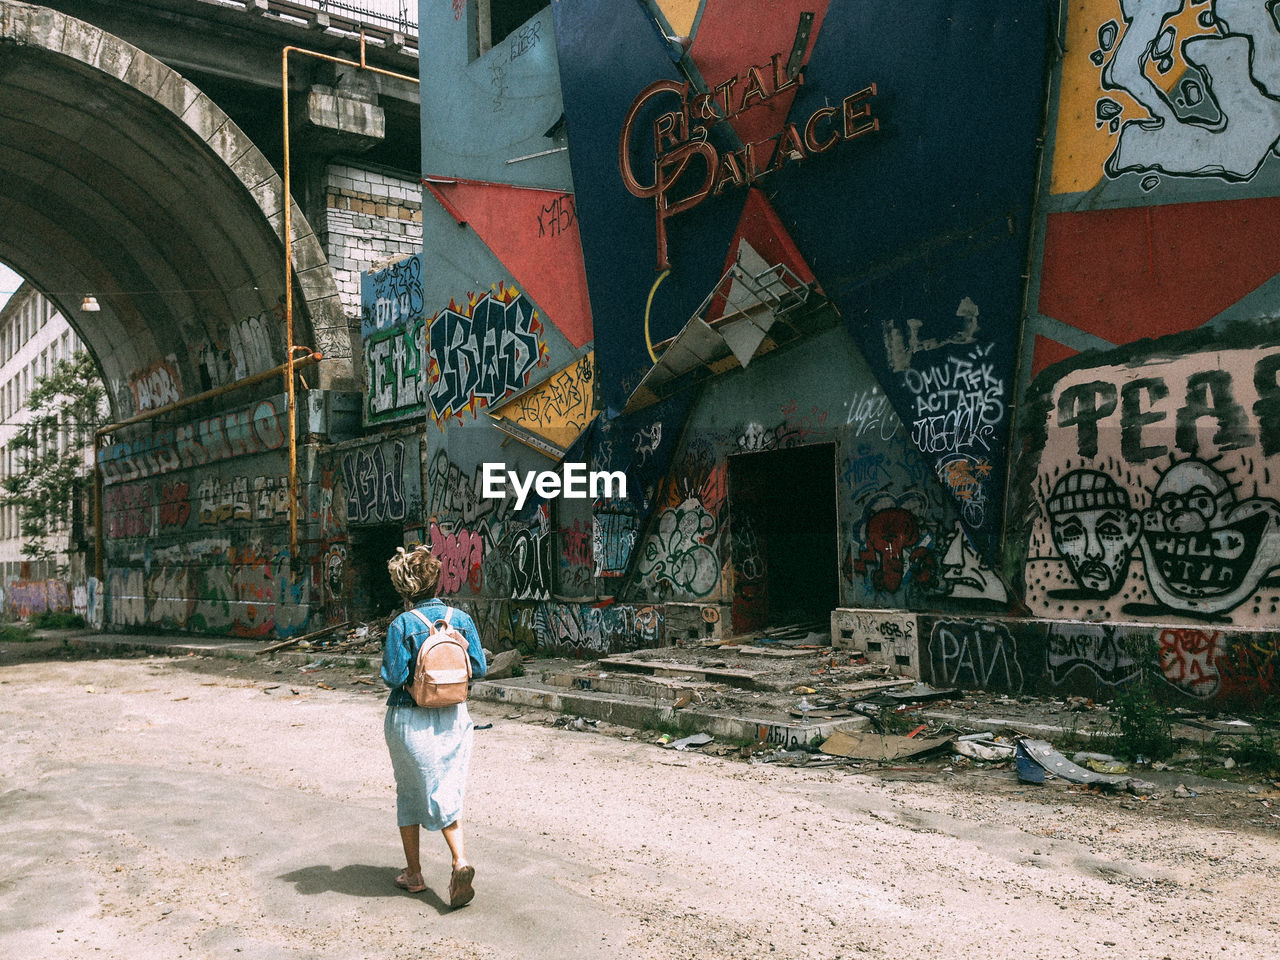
{"x": 579, "y": 628}
{"x": 1191, "y": 89}
{"x": 482, "y": 352}
{"x": 1153, "y": 496}
{"x": 455, "y": 494}
{"x": 175, "y": 503}
{"x": 959, "y": 405}
{"x": 614, "y": 528}
{"x": 575, "y": 558}
{"x": 26, "y": 598}
{"x": 975, "y": 654}
{"x": 249, "y": 348}
{"x": 679, "y": 559}
{"x": 461, "y": 552}
{"x": 897, "y": 548}
{"x": 248, "y": 430}
{"x": 1189, "y": 658}
{"x": 375, "y": 482}
{"x": 1099, "y": 650}
{"x": 558, "y": 409}
{"x": 127, "y": 510}
{"x": 156, "y": 385}
{"x": 964, "y": 575}
{"x": 228, "y": 591}
{"x": 393, "y": 372}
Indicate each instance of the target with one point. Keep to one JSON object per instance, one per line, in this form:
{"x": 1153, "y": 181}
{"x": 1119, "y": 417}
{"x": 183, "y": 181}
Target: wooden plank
{"x": 668, "y": 669}
{"x": 300, "y": 639}
{"x": 779, "y": 652}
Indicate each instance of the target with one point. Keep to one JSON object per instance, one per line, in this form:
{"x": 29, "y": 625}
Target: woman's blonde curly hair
{"x": 414, "y": 573}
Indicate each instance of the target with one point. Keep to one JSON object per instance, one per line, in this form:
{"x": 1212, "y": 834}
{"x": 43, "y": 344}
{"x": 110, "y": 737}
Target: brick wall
{"x": 370, "y": 217}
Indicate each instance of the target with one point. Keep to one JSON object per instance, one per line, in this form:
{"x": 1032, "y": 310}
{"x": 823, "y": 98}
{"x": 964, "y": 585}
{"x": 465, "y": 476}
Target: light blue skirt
{"x": 430, "y": 754}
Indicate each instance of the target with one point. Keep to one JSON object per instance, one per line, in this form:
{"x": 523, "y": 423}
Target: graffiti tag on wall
{"x": 978, "y": 654}
{"x": 236, "y": 433}
{"x": 482, "y": 352}
{"x": 157, "y": 385}
{"x": 679, "y": 559}
{"x": 375, "y": 481}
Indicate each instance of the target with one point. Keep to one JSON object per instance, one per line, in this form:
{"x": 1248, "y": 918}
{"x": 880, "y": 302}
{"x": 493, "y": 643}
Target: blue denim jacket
{"x": 405, "y": 636}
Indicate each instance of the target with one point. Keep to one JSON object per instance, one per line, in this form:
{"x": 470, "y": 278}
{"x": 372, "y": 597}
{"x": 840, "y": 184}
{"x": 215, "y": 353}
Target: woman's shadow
{"x": 357, "y": 880}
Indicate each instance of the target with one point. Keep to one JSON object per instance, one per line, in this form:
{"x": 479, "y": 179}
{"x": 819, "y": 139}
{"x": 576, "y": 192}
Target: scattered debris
{"x": 869, "y": 746}
{"x": 696, "y": 740}
{"x": 302, "y": 639}
{"x": 1029, "y": 770}
{"x": 921, "y": 693}
{"x": 1103, "y": 766}
{"x": 576, "y": 723}
{"x": 1053, "y": 762}
{"x": 984, "y": 747}
{"x": 1182, "y": 793}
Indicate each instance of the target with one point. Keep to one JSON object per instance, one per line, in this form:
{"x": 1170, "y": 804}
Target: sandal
{"x": 410, "y": 881}
{"x": 460, "y": 890}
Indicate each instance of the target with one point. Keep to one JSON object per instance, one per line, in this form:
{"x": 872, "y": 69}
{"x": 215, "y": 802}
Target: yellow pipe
{"x": 288, "y": 265}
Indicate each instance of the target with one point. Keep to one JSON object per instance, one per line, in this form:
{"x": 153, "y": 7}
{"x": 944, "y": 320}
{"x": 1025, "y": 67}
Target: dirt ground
{"x": 166, "y": 807}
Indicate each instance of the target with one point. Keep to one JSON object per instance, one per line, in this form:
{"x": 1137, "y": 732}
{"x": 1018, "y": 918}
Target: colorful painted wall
{"x": 1147, "y": 490}
{"x": 196, "y": 520}
{"x": 793, "y": 139}
{"x": 994, "y": 282}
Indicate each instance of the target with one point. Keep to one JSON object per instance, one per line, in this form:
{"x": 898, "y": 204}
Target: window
{"x": 498, "y": 19}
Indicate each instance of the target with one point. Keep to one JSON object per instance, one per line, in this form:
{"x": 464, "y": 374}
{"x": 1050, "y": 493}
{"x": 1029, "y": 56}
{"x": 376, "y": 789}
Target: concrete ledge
{"x": 642, "y": 712}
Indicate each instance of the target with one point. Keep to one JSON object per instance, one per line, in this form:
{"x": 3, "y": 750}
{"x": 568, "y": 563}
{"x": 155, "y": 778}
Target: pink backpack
{"x": 442, "y": 669}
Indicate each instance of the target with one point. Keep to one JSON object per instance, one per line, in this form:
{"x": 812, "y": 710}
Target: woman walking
{"x": 430, "y": 746}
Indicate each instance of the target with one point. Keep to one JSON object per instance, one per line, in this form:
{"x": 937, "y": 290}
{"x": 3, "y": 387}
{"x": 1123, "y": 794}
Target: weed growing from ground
{"x": 1141, "y": 723}
{"x": 48, "y": 620}
{"x": 12, "y": 634}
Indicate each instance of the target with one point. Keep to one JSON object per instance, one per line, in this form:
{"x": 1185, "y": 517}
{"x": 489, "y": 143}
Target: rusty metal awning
{"x": 757, "y": 307}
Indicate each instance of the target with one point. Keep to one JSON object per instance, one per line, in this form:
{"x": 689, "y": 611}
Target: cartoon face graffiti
{"x": 1094, "y": 529}
{"x": 896, "y": 545}
{"x": 1205, "y": 550}
{"x": 964, "y": 574}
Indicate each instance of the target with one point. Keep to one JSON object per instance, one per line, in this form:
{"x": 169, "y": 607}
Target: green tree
{"x": 52, "y": 475}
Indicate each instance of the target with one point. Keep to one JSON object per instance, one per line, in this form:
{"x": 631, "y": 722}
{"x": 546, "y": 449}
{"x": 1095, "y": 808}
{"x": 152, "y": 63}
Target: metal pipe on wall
{"x": 288, "y": 262}
{"x": 99, "y": 540}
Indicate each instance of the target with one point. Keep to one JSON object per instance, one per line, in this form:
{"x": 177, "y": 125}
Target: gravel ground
{"x": 165, "y": 807}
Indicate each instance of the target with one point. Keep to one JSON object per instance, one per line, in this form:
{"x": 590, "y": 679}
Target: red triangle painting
{"x": 761, "y": 227}
{"x": 535, "y": 235}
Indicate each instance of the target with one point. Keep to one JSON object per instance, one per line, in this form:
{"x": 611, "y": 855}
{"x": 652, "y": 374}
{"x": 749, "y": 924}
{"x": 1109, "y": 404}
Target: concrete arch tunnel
{"x": 124, "y": 181}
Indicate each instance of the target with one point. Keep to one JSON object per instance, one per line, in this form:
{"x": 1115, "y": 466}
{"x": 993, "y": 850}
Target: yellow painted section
{"x": 559, "y": 408}
{"x": 1081, "y": 147}
{"x": 680, "y": 14}
{"x": 1186, "y": 23}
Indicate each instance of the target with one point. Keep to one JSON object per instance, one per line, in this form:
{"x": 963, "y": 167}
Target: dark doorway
{"x": 785, "y": 543}
{"x": 372, "y": 594}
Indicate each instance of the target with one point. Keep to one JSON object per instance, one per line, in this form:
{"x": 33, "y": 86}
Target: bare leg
{"x": 409, "y": 838}
{"x": 461, "y": 891}
{"x": 457, "y": 846}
